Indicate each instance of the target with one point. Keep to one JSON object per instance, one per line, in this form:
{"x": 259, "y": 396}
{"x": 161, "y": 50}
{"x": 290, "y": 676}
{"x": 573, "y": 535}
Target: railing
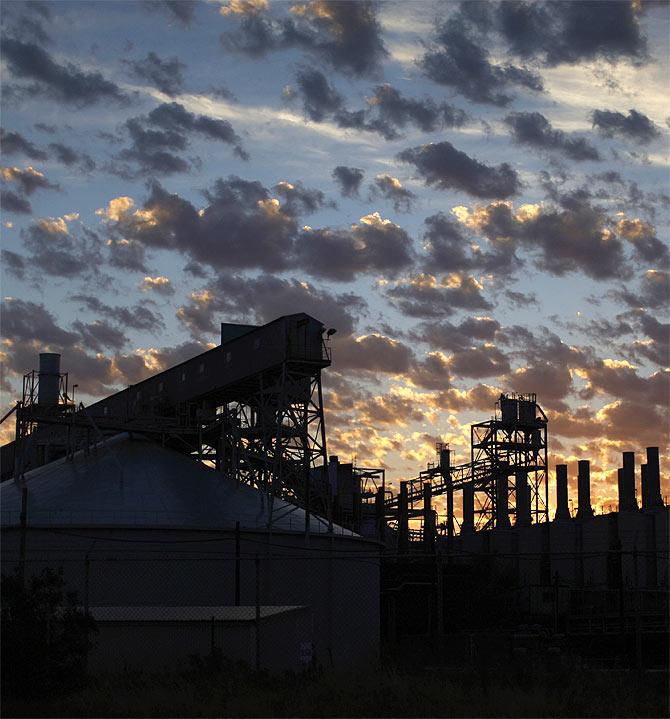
{"x": 177, "y": 520}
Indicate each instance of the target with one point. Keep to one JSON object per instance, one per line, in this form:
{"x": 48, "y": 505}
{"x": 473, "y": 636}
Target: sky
{"x": 475, "y": 195}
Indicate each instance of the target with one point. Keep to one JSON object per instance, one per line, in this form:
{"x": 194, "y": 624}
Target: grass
{"x": 235, "y": 691}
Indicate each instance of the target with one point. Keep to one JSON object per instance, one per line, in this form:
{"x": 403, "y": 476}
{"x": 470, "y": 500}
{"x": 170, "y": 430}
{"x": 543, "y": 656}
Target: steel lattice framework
{"x": 274, "y": 437}
{"x": 514, "y": 441}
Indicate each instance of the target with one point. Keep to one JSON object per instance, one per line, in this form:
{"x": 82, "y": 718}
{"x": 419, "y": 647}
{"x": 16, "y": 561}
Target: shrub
{"x": 45, "y": 636}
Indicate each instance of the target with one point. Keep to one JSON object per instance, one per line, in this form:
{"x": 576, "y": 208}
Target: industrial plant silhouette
{"x": 198, "y": 512}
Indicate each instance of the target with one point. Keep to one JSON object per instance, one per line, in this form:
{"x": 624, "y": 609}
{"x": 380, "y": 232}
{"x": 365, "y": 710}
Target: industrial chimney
{"x": 584, "y": 509}
{"x": 627, "y": 500}
{"x": 49, "y": 379}
{"x": 562, "y": 508}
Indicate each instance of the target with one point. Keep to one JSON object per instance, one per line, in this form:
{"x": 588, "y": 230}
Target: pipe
{"x": 502, "y": 511}
{"x": 445, "y": 471}
{"x": 654, "y": 479}
{"x": 428, "y": 533}
{"x": 468, "y": 508}
{"x": 627, "y": 501}
{"x": 584, "y": 509}
{"x": 562, "y": 508}
{"x": 403, "y": 518}
{"x": 522, "y": 498}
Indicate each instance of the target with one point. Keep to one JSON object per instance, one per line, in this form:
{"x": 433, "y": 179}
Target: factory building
{"x": 199, "y": 510}
{"x": 163, "y": 507}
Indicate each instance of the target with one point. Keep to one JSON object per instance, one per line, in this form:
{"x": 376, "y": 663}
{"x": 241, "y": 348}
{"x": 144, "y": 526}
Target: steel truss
{"x": 273, "y": 437}
{"x": 510, "y": 444}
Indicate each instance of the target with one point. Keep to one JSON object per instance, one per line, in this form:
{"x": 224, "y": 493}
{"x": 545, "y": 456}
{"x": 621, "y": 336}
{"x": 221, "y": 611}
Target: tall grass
{"x": 227, "y": 690}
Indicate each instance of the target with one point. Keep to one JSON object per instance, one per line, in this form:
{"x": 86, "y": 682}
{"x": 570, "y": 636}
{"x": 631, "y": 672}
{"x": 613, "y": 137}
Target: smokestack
{"x": 584, "y": 509}
{"x": 654, "y": 499}
{"x": 445, "y": 471}
{"x": 644, "y": 486}
{"x": 468, "y": 508}
{"x": 627, "y": 501}
{"x": 562, "y": 509}
{"x": 619, "y": 484}
{"x": 502, "y": 512}
{"x": 49, "y": 379}
{"x": 522, "y": 498}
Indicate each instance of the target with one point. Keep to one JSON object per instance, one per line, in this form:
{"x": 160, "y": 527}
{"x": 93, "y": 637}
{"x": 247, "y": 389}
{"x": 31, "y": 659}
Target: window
{"x": 257, "y": 343}
{"x": 183, "y": 376}
{"x": 201, "y": 367}
{"x": 229, "y": 356}
{"x": 160, "y": 386}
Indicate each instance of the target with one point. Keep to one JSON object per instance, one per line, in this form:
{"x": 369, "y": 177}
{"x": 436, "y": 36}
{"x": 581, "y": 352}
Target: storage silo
{"x": 142, "y": 530}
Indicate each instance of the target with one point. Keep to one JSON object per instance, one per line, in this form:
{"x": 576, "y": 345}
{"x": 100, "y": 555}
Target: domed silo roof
{"x": 135, "y": 482}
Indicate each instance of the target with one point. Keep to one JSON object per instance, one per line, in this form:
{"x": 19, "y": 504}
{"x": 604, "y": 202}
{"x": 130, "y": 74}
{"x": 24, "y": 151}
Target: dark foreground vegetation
{"x": 224, "y": 690}
{"x": 46, "y": 639}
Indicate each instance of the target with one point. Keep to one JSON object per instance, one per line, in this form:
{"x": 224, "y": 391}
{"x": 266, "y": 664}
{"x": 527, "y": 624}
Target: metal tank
{"x": 49, "y": 379}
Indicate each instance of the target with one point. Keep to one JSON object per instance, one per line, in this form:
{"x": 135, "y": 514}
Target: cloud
{"x": 653, "y": 293}
{"x": 241, "y": 226}
{"x": 447, "y": 336}
{"x": 522, "y": 299}
{"x": 165, "y": 130}
{"x": 577, "y": 238}
{"x": 390, "y": 188}
{"x": 63, "y": 83}
{"x": 300, "y": 200}
{"x": 398, "y": 111}
{"x": 11, "y": 202}
{"x": 470, "y": 344}
{"x": 387, "y": 110}
{"x": 127, "y": 254}
{"x": 533, "y": 128}
{"x": 139, "y": 317}
{"x": 244, "y": 227}
{"x": 166, "y": 75}
{"x": 642, "y": 235}
{"x": 372, "y": 246}
{"x": 183, "y": 11}
{"x": 27, "y": 180}
{"x": 70, "y": 157}
{"x": 349, "y": 179}
{"x": 553, "y": 33}
{"x": 441, "y": 164}
{"x": 343, "y": 33}
{"x": 160, "y": 285}
{"x": 24, "y": 320}
{"x": 100, "y": 335}
{"x": 447, "y": 249}
{"x": 244, "y": 7}
{"x": 264, "y": 298}
{"x": 634, "y": 126}
{"x": 372, "y": 353}
{"x": 320, "y": 99}
{"x": 14, "y": 264}
{"x": 26, "y": 20}
{"x": 13, "y": 143}
{"x": 426, "y": 296}
{"x": 56, "y": 251}
{"x": 458, "y": 58}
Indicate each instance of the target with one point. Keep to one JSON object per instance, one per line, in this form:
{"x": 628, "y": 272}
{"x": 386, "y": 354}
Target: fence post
{"x": 87, "y": 574}
{"x": 237, "y": 564}
{"x": 257, "y": 562}
{"x": 24, "y": 525}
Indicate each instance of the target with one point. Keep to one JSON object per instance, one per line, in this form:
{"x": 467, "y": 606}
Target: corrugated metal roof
{"x": 134, "y": 482}
{"x": 187, "y": 614}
